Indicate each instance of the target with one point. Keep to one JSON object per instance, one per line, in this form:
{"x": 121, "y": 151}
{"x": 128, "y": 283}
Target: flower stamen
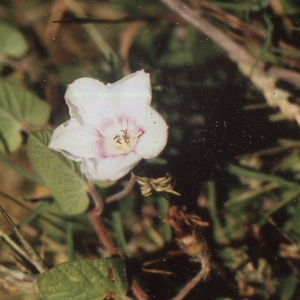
{"x": 125, "y": 140}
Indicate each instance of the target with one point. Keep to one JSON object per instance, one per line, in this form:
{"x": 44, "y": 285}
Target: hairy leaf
{"x": 20, "y": 110}
{"x": 59, "y": 174}
{"x": 85, "y": 279}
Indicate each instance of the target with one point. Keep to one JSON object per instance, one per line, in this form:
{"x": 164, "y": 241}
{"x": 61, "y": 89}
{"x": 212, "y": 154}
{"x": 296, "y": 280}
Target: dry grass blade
{"x": 17, "y": 280}
{"x": 32, "y": 255}
{"x": 235, "y": 52}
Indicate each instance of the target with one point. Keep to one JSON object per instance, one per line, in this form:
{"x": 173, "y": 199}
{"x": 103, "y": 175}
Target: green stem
{"x": 245, "y": 196}
{"x": 288, "y": 198}
{"x": 44, "y": 205}
{"x": 241, "y": 172}
{"x": 70, "y": 241}
{"x": 118, "y": 227}
{"x": 212, "y": 205}
{"x": 163, "y": 206}
{"x": 20, "y": 171}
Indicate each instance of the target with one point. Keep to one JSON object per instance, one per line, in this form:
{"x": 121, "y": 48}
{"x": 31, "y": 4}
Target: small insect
{"x": 162, "y": 184}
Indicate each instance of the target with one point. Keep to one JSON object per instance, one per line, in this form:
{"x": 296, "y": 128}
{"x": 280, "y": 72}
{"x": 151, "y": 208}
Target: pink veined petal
{"x": 109, "y": 168}
{"x": 91, "y": 102}
{"x": 74, "y": 141}
{"x": 155, "y": 133}
{"x": 132, "y": 91}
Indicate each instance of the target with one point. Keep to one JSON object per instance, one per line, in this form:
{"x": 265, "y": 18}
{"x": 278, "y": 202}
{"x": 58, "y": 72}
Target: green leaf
{"x": 242, "y": 172}
{"x": 12, "y": 42}
{"x": 20, "y": 110}
{"x": 85, "y": 279}
{"x": 59, "y": 174}
{"x": 287, "y": 287}
{"x": 290, "y": 7}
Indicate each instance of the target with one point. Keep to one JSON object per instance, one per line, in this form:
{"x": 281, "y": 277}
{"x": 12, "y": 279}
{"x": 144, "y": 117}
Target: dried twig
{"x": 201, "y": 275}
{"x": 235, "y": 51}
{"x": 138, "y": 292}
{"x": 32, "y": 255}
{"x": 129, "y": 186}
{"x": 17, "y": 280}
{"x": 93, "y": 33}
{"x": 190, "y": 239}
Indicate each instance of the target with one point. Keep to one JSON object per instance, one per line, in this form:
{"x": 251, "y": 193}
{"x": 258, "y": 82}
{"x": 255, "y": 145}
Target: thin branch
{"x": 235, "y": 51}
{"x": 129, "y": 186}
{"x": 13, "y": 245}
{"x": 97, "y": 223}
{"x": 205, "y": 269}
{"x": 128, "y": 19}
{"x": 34, "y": 258}
{"x": 97, "y": 199}
{"x": 195, "y": 17}
{"x": 95, "y": 35}
{"x": 101, "y": 232}
{"x": 285, "y": 235}
{"x": 138, "y": 292}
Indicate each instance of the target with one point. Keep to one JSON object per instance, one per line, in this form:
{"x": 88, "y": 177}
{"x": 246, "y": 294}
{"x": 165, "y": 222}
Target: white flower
{"x": 112, "y": 127}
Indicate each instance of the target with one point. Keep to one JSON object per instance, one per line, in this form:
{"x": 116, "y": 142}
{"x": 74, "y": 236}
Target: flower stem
{"x": 124, "y": 192}
{"x": 205, "y": 269}
{"x": 97, "y": 199}
{"x": 97, "y": 223}
{"x": 101, "y": 232}
{"x": 103, "y": 236}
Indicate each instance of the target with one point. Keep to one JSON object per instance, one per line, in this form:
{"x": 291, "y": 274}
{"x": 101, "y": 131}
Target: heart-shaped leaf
{"x": 19, "y": 110}
{"x": 85, "y": 280}
{"x": 60, "y": 175}
{"x": 12, "y": 42}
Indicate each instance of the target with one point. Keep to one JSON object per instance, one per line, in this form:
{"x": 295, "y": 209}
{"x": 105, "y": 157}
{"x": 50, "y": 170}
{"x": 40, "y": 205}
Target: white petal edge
{"x": 90, "y": 102}
{"x": 110, "y": 168}
{"x": 74, "y": 141}
{"x": 155, "y": 135}
{"x": 133, "y": 89}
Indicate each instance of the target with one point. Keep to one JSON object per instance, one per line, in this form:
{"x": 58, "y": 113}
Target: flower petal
{"x": 134, "y": 89}
{"x": 112, "y": 127}
{"x": 91, "y": 102}
{"x": 109, "y": 168}
{"x": 155, "y": 133}
{"x": 74, "y": 141}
